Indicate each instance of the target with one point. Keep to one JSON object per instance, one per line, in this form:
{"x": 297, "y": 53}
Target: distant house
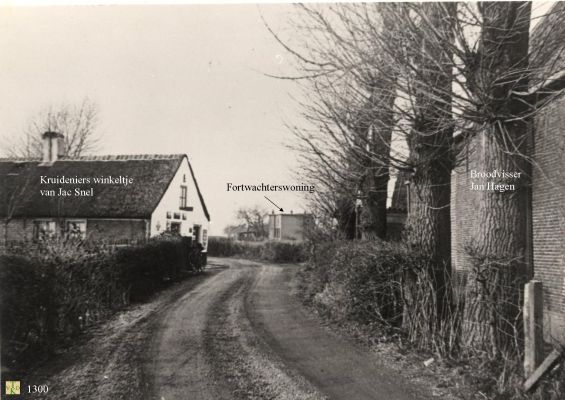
{"x": 141, "y": 196}
{"x": 289, "y": 227}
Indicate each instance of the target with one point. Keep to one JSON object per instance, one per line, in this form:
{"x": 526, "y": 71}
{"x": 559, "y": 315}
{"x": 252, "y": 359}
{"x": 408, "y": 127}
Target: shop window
{"x": 76, "y": 228}
{"x": 44, "y": 229}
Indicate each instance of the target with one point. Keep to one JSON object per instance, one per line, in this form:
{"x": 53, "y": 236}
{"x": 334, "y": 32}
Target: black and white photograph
{"x": 282, "y": 201}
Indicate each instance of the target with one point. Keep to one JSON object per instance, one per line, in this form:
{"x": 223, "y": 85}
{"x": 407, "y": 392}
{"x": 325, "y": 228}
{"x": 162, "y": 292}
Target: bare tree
{"x": 350, "y": 113}
{"x": 254, "y": 218}
{"x": 499, "y": 266}
{"x": 448, "y": 68}
{"x": 77, "y": 123}
{"x": 384, "y": 70}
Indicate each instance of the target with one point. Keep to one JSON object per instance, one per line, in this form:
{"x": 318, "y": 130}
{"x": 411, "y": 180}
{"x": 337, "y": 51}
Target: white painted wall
{"x": 171, "y": 203}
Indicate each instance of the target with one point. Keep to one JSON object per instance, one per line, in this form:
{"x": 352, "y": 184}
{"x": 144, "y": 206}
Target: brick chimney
{"x": 53, "y": 147}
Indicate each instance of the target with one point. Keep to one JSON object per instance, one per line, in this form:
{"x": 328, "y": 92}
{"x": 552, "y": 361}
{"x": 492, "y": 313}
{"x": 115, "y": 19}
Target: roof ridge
{"x": 109, "y": 157}
{"x": 16, "y": 159}
{"x": 125, "y": 157}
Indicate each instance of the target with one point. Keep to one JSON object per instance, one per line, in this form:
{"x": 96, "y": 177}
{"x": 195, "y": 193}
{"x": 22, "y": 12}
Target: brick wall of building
{"x": 97, "y": 230}
{"x": 116, "y": 230}
{"x": 548, "y": 211}
{"x": 292, "y": 227}
{"x": 16, "y": 230}
{"x": 548, "y": 182}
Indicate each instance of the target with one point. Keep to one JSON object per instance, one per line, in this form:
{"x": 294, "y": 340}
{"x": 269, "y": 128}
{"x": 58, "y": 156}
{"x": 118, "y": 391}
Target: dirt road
{"x": 243, "y": 334}
{"x": 237, "y": 333}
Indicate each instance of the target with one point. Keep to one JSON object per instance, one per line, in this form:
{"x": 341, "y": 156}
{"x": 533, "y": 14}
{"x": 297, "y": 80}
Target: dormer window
{"x": 183, "y": 195}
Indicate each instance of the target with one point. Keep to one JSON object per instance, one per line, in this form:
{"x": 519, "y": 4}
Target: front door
{"x": 196, "y": 233}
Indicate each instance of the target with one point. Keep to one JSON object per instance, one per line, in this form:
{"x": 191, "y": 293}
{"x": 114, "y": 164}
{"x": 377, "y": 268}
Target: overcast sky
{"x": 167, "y": 79}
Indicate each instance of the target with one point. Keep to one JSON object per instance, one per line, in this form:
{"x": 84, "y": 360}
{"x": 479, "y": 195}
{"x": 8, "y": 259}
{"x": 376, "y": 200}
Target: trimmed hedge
{"x": 62, "y": 287}
{"x": 278, "y": 252}
{"x": 224, "y": 247}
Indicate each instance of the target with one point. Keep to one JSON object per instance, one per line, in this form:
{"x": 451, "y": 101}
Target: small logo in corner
{"x": 12, "y": 387}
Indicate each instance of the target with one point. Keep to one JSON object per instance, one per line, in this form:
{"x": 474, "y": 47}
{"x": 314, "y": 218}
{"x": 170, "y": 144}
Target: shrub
{"x": 385, "y": 284}
{"x": 358, "y": 280}
{"x": 380, "y": 284}
{"x": 22, "y": 296}
{"x": 62, "y": 286}
{"x": 223, "y": 247}
{"x": 279, "y": 252}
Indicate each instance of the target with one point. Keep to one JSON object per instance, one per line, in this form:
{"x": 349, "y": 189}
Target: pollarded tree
{"x": 381, "y": 69}
{"x": 349, "y": 106}
{"x": 451, "y": 68}
{"x": 501, "y": 71}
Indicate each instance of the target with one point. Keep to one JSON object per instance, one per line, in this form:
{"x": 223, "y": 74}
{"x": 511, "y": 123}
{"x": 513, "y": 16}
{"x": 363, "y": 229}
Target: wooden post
{"x": 546, "y": 366}
{"x": 533, "y": 326}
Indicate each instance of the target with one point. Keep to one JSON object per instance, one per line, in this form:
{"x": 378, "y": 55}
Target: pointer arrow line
{"x": 280, "y": 209}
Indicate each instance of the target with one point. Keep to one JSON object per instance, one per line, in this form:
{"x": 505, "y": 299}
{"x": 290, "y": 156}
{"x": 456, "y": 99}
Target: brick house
{"x": 140, "y": 196}
{"x": 546, "y": 219}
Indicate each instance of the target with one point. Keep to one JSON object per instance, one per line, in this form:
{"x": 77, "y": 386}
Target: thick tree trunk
{"x": 430, "y": 143}
{"x": 378, "y": 125}
{"x": 373, "y": 213}
{"x": 429, "y": 233}
{"x": 346, "y": 218}
{"x": 497, "y": 249}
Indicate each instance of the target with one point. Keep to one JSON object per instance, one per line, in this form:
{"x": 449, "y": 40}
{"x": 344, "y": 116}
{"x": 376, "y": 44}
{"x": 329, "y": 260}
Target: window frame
{"x": 176, "y": 227}
{"x": 49, "y": 233}
{"x": 183, "y": 196}
{"x": 76, "y": 220}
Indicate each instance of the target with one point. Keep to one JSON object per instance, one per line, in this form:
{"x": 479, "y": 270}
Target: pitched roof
{"x": 21, "y": 185}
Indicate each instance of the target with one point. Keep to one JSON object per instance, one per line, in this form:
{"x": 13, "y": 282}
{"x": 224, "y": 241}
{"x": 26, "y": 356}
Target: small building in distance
{"x": 115, "y": 199}
{"x": 289, "y": 227}
{"x": 241, "y": 232}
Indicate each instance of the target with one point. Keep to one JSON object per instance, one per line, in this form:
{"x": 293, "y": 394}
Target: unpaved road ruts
{"x": 238, "y": 332}
{"x": 244, "y": 335}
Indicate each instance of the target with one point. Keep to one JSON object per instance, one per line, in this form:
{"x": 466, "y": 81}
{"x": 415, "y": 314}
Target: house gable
{"x": 169, "y": 210}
